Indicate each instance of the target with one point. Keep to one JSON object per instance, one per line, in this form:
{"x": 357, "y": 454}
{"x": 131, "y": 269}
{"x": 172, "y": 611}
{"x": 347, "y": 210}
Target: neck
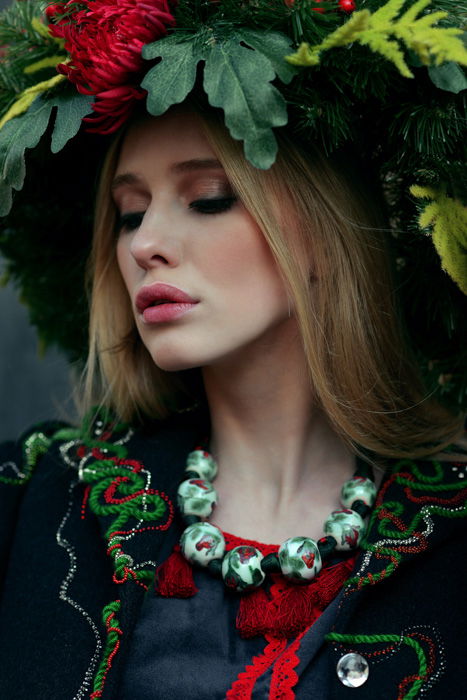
{"x": 271, "y": 439}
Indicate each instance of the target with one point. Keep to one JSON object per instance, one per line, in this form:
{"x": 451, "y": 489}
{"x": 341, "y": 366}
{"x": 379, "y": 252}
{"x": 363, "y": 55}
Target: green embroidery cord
{"x": 384, "y": 525}
{"x": 112, "y": 625}
{"x": 349, "y": 639}
{"x": 34, "y": 446}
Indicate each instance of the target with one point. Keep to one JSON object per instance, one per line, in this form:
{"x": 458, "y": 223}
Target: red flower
{"x": 245, "y": 553}
{"x": 309, "y": 559}
{"x": 104, "y": 39}
{"x": 351, "y": 537}
{"x": 208, "y": 543}
{"x": 200, "y": 483}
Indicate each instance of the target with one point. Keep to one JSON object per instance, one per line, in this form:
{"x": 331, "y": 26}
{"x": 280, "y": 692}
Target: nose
{"x": 153, "y": 243}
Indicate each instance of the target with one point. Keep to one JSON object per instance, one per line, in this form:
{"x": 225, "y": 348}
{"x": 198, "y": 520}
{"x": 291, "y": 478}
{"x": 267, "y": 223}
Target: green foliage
{"x": 238, "y": 68}
{"x": 28, "y": 42}
{"x": 173, "y": 78}
{"x": 448, "y": 76}
{"x": 15, "y": 137}
{"x": 26, "y": 130}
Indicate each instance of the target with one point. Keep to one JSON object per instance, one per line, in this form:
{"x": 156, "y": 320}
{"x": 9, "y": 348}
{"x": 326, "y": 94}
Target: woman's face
{"x": 203, "y": 284}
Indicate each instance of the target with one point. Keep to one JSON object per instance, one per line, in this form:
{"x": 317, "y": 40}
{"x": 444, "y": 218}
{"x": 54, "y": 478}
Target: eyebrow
{"x": 181, "y": 167}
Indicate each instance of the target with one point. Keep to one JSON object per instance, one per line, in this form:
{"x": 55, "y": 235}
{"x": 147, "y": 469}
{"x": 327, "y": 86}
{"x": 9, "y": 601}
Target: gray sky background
{"x": 32, "y": 388}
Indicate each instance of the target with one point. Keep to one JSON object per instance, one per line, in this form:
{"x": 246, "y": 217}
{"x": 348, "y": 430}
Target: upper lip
{"x": 159, "y": 291}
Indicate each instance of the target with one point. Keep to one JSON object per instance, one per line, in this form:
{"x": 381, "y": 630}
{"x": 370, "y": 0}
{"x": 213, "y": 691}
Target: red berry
{"x": 321, "y": 10}
{"x": 347, "y": 5}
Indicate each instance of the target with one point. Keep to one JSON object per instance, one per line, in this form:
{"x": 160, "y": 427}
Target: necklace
{"x": 298, "y": 558}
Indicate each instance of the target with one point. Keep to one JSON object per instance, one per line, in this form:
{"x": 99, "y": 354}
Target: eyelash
{"x": 128, "y": 222}
{"x": 215, "y": 205}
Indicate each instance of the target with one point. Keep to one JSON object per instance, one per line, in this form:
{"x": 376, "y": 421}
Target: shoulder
{"x": 18, "y": 458}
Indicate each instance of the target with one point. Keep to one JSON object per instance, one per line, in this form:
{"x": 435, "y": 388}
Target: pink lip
{"x": 173, "y": 303}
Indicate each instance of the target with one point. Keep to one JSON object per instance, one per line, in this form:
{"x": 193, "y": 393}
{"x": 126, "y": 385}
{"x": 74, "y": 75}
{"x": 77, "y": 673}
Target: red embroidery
{"x": 85, "y": 502}
{"x": 284, "y": 677}
{"x": 243, "y": 686}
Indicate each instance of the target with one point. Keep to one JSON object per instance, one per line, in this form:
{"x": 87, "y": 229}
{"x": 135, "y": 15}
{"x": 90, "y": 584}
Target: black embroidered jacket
{"x": 84, "y": 521}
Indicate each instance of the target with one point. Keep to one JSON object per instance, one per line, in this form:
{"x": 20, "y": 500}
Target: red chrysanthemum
{"x": 104, "y": 39}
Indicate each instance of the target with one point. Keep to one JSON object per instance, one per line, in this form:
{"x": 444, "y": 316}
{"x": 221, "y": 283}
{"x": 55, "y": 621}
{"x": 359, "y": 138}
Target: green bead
{"x": 241, "y": 568}
{"x": 201, "y": 543}
{"x": 358, "y": 488}
{"x": 203, "y": 464}
{"x": 299, "y": 559}
{"x": 347, "y": 527}
{"x": 196, "y": 497}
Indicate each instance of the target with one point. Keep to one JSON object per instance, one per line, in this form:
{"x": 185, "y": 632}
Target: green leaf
{"x": 448, "y": 76}
{"x": 275, "y": 46}
{"x": 238, "y": 80}
{"x": 71, "y": 108}
{"x": 6, "y": 200}
{"x": 171, "y": 80}
{"x": 16, "y": 136}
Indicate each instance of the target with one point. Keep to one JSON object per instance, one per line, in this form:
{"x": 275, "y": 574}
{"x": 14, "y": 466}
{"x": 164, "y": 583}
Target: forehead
{"x": 158, "y": 142}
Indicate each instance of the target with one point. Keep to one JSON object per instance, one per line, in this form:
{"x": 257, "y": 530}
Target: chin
{"x": 173, "y": 358}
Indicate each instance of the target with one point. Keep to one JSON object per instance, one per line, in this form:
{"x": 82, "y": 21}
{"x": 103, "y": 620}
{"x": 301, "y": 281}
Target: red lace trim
{"x": 284, "y": 677}
{"x": 243, "y": 686}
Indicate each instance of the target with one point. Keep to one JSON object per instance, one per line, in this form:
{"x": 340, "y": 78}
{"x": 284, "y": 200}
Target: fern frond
{"x": 448, "y": 219}
{"x": 384, "y": 32}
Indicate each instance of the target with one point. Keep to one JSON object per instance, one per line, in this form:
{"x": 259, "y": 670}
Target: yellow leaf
{"x": 448, "y": 219}
{"x": 49, "y": 62}
{"x": 303, "y": 56}
{"x": 28, "y": 96}
{"x": 42, "y": 29}
{"x": 309, "y": 56}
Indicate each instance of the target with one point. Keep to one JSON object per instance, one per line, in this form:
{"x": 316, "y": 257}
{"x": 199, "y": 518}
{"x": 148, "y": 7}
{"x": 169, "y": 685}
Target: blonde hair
{"x": 360, "y": 368}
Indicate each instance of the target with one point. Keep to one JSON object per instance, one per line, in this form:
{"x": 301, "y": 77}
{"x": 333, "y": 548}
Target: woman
{"x": 250, "y": 313}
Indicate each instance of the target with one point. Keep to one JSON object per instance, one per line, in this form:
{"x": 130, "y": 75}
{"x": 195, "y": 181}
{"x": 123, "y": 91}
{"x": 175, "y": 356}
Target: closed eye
{"x": 128, "y": 222}
{"x": 213, "y": 205}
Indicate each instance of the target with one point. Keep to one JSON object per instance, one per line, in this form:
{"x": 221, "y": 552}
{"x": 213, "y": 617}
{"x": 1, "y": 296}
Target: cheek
{"x": 241, "y": 257}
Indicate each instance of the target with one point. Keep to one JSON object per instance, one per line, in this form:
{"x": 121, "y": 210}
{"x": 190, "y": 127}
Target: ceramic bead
{"x": 299, "y": 559}
{"x": 358, "y": 489}
{"x": 202, "y": 542}
{"x": 196, "y": 497}
{"x": 241, "y": 568}
{"x": 347, "y": 527}
{"x": 203, "y": 464}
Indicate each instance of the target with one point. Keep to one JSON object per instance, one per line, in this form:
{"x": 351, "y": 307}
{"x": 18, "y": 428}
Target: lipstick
{"x": 160, "y": 303}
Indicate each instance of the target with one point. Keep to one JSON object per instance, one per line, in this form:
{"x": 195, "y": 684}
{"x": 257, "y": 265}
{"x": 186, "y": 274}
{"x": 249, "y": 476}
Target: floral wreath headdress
{"x": 72, "y": 73}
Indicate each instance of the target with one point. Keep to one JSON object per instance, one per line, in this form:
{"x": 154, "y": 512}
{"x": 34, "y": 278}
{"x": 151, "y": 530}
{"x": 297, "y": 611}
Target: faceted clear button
{"x": 352, "y": 670}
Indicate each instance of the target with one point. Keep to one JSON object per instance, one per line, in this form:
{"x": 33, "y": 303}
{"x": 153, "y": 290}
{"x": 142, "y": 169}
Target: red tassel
{"x": 254, "y": 613}
{"x": 289, "y": 608}
{"x": 332, "y": 579}
{"x": 296, "y": 609}
{"x": 174, "y": 578}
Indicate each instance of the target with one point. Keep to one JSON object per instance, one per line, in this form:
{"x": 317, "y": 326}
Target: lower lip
{"x": 166, "y": 312}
